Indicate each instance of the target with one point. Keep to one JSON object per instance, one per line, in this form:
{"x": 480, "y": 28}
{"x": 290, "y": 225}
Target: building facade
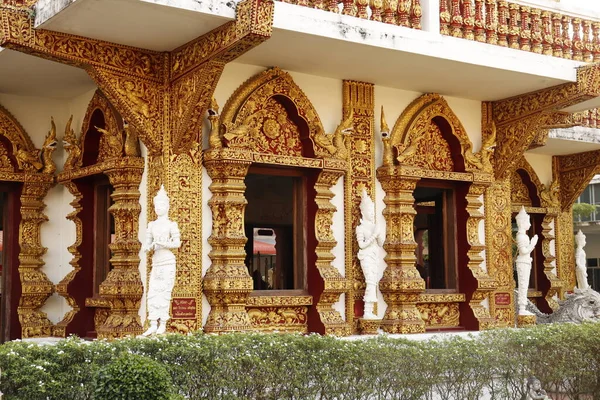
{"x": 265, "y": 121}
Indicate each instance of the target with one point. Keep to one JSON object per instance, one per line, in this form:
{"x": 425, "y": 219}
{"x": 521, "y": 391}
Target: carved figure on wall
{"x": 71, "y": 146}
{"x": 132, "y": 144}
{"x": 388, "y": 153}
{"x": 111, "y": 144}
{"x": 535, "y": 391}
{"x": 214, "y": 140}
{"x": 580, "y": 262}
{"x": 28, "y": 159}
{"x": 335, "y": 143}
{"x": 370, "y": 239}
{"x": 551, "y": 194}
{"x": 482, "y": 159}
{"x": 582, "y": 305}
{"x": 162, "y": 236}
{"x": 524, "y": 260}
{"x": 48, "y": 148}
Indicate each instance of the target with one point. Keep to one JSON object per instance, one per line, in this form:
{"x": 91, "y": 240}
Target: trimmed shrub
{"x": 132, "y": 377}
{"x": 566, "y": 358}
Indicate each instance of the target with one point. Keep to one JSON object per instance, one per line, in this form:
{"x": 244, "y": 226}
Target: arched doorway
{"x": 271, "y": 150}
{"x": 26, "y": 175}
{"x": 103, "y": 172}
{"x": 435, "y": 276}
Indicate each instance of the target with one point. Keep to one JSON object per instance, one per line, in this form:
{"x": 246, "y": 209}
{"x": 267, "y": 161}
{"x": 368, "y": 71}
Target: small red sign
{"x": 502, "y": 299}
{"x": 184, "y": 308}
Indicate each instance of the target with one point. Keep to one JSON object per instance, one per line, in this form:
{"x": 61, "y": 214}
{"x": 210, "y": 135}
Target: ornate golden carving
{"x": 401, "y": 283}
{"x": 122, "y": 289}
{"x": 185, "y": 188}
{"x": 498, "y": 250}
{"x": 334, "y": 284}
{"x": 565, "y": 262}
{"x": 35, "y": 285}
{"x": 62, "y": 288}
{"x": 48, "y": 148}
{"x": 556, "y": 285}
{"x": 574, "y": 173}
{"x": 358, "y": 100}
{"x": 280, "y": 319}
{"x": 123, "y": 286}
{"x": 439, "y": 315}
{"x": 485, "y": 282}
{"x": 227, "y": 283}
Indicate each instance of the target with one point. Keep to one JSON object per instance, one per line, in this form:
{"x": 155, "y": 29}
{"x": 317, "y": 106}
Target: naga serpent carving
{"x": 583, "y": 305}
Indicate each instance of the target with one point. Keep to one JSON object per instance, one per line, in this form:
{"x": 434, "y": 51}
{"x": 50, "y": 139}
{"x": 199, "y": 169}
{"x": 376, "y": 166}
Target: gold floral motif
{"x": 439, "y": 315}
{"x": 185, "y": 188}
{"x": 5, "y": 163}
{"x": 282, "y": 319}
{"x": 358, "y": 100}
{"x": 497, "y": 200}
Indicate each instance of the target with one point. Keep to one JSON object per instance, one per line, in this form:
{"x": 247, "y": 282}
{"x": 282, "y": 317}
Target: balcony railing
{"x": 507, "y": 24}
{"x": 405, "y": 13}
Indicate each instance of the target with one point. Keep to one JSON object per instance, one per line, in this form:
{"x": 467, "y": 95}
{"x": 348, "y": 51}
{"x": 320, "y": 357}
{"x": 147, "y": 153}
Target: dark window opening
{"x": 435, "y": 234}
{"x": 275, "y": 229}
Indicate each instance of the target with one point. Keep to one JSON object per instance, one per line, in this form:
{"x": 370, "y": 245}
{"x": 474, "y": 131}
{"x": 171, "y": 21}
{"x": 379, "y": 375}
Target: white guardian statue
{"x": 580, "y": 262}
{"x": 162, "y": 236}
{"x": 370, "y": 240}
{"x": 523, "y": 263}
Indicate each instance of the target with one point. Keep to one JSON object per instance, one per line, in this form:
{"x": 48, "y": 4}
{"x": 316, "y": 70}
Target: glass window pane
{"x": 596, "y": 190}
{"x": 592, "y": 262}
{"x": 586, "y": 195}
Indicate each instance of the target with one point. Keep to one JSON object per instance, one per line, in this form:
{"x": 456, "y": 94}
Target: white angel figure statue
{"x": 370, "y": 240}
{"x": 524, "y": 260}
{"x": 581, "y": 262}
{"x": 162, "y": 236}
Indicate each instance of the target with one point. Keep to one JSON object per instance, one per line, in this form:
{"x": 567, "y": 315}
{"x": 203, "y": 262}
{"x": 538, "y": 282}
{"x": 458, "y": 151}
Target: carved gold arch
{"x": 415, "y": 149}
{"x": 549, "y": 208}
{"x": 413, "y": 125}
{"x": 116, "y": 310}
{"x": 35, "y": 169}
{"x": 237, "y": 140}
{"x": 248, "y": 101}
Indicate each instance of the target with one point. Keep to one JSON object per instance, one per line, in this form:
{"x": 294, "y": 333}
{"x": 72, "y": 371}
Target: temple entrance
{"x": 435, "y": 234}
{"x": 9, "y": 277}
{"x": 275, "y": 229}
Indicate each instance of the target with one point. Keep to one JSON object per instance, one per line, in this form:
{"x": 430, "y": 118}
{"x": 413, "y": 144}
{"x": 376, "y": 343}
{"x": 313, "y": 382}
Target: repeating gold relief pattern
{"x": 334, "y": 283}
{"x": 486, "y": 284}
{"x": 185, "y": 190}
{"x": 440, "y": 315}
{"x": 565, "y": 251}
{"x": 498, "y": 250}
{"x": 574, "y": 173}
{"x": 227, "y": 283}
{"x": 281, "y": 319}
{"x": 358, "y": 99}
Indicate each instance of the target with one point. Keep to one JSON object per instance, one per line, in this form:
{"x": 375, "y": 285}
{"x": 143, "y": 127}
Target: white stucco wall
{"x": 542, "y": 165}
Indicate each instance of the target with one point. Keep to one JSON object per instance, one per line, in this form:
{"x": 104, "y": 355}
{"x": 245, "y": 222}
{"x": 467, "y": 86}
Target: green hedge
{"x": 565, "y": 358}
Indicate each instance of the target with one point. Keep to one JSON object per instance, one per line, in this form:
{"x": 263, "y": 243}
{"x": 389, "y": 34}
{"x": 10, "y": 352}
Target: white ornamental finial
{"x": 161, "y": 196}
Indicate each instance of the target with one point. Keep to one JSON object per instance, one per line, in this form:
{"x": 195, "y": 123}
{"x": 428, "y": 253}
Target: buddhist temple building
{"x": 265, "y": 121}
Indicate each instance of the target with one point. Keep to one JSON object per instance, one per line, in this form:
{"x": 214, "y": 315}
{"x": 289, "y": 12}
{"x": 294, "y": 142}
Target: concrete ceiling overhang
{"x": 304, "y": 40}
{"x": 159, "y": 25}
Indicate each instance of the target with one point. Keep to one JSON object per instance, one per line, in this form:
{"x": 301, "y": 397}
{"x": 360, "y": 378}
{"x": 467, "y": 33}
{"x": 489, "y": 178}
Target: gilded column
{"x": 499, "y": 251}
{"x": 565, "y": 265}
{"x": 401, "y": 282}
{"x": 358, "y": 98}
{"x": 334, "y": 284}
{"x": 485, "y": 283}
{"x": 35, "y": 285}
{"x": 227, "y": 282}
{"x": 123, "y": 285}
{"x": 548, "y": 235}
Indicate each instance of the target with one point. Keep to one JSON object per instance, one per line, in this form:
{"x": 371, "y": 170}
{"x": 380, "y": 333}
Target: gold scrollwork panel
{"x": 359, "y": 99}
{"x": 498, "y": 250}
